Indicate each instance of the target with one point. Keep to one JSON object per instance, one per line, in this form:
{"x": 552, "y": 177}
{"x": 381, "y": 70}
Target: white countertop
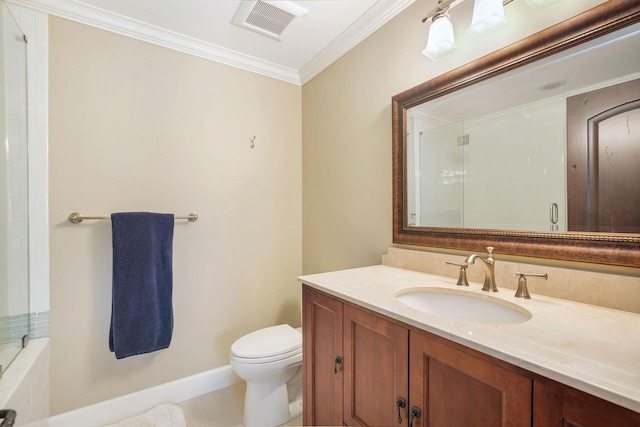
{"x": 593, "y": 349}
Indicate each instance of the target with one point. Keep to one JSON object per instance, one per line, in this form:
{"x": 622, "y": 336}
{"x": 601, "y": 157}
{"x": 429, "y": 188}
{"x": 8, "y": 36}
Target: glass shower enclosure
{"x": 504, "y": 170}
{"x": 14, "y": 198}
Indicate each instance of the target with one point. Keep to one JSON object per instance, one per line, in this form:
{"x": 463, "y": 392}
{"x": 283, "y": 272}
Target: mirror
{"x": 494, "y": 152}
{"x": 494, "y": 155}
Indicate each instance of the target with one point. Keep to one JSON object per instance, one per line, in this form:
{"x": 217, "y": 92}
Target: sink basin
{"x": 465, "y": 306}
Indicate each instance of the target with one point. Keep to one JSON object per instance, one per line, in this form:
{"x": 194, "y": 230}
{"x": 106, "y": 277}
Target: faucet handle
{"x": 522, "y": 291}
{"x": 462, "y": 278}
{"x": 490, "y": 250}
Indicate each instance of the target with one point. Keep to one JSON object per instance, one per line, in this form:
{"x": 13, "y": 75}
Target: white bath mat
{"x": 164, "y": 415}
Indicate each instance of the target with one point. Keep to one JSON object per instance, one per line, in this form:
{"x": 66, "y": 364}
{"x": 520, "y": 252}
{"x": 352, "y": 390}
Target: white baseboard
{"x": 122, "y": 407}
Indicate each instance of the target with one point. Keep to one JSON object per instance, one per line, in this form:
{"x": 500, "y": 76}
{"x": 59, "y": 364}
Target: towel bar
{"x": 77, "y": 218}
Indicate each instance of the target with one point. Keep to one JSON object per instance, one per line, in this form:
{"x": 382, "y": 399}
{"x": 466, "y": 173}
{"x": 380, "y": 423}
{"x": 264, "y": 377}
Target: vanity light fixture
{"x": 488, "y": 17}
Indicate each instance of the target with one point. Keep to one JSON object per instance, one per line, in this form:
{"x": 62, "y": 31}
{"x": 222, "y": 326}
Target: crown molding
{"x": 109, "y": 21}
{"x": 372, "y": 20}
{"x": 75, "y": 11}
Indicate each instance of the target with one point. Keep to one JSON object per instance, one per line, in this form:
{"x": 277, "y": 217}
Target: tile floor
{"x": 220, "y": 408}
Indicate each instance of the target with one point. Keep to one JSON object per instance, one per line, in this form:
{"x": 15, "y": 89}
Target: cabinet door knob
{"x": 400, "y": 403}
{"x": 337, "y": 361}
{"x": 415, "y": 413}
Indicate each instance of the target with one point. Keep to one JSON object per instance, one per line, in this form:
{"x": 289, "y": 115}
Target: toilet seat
{"x": 268, "y": 345}
{"x": 288, "y": 359}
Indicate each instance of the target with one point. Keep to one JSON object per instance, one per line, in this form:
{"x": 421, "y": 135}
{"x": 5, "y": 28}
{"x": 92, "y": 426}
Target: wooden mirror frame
{"x": 601, "y": 248}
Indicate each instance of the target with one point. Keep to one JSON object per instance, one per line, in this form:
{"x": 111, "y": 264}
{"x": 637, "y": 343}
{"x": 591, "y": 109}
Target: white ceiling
{"x": 204, "y": 28}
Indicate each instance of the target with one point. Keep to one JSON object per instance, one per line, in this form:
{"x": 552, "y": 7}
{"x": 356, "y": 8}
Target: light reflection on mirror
{"x": 494, "y": 155}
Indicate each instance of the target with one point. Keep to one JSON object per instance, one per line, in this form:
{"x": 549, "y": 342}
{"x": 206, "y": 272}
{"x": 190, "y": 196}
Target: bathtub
{"x": 24, "y": 387}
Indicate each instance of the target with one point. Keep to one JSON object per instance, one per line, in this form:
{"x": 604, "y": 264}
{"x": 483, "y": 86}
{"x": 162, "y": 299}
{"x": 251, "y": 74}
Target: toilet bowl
{"x": 270, "y": 361}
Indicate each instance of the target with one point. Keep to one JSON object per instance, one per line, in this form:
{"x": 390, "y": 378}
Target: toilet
{"x": 270, "y": 361}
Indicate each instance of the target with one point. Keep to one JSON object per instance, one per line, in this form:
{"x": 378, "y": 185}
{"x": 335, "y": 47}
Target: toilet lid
{"x": 267, "y": 342}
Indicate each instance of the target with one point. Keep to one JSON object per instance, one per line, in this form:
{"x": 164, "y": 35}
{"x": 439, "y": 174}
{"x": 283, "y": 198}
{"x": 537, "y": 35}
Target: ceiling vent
{"x": 269, "y": 18}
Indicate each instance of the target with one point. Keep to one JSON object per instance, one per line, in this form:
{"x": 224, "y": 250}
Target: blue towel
{"x": 141, "y": 308}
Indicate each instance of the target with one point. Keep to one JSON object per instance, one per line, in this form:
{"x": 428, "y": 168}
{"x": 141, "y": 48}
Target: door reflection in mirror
{"x": 604, "y": 159}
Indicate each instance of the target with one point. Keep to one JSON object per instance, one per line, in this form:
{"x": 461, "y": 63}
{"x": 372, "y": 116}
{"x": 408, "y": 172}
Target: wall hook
{"x": 252, "y": 144}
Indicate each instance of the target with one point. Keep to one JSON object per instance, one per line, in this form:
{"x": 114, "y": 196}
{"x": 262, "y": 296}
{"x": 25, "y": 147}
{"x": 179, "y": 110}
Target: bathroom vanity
{"x": 371, "y": 360}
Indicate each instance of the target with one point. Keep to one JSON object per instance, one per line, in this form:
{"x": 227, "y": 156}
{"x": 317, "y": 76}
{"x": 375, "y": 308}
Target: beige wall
{"x": 138, "y": 127}
{"x": 346, "y": 110}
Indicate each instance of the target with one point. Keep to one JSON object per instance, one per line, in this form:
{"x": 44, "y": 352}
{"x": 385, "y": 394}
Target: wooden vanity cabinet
{"x": 449, "y": 386}
{"x": 357, "y": 363}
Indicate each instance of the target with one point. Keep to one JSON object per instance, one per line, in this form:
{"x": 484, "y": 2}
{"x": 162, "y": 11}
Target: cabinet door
{"x": 322, "y": 375}
{"x": 457, "y": 387}
{"x": 552, "y": 407}
{"x": 375, "y": 370}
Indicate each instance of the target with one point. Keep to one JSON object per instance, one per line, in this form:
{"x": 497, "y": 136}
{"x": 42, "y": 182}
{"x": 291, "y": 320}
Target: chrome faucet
{"x": 488, "y": 264}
